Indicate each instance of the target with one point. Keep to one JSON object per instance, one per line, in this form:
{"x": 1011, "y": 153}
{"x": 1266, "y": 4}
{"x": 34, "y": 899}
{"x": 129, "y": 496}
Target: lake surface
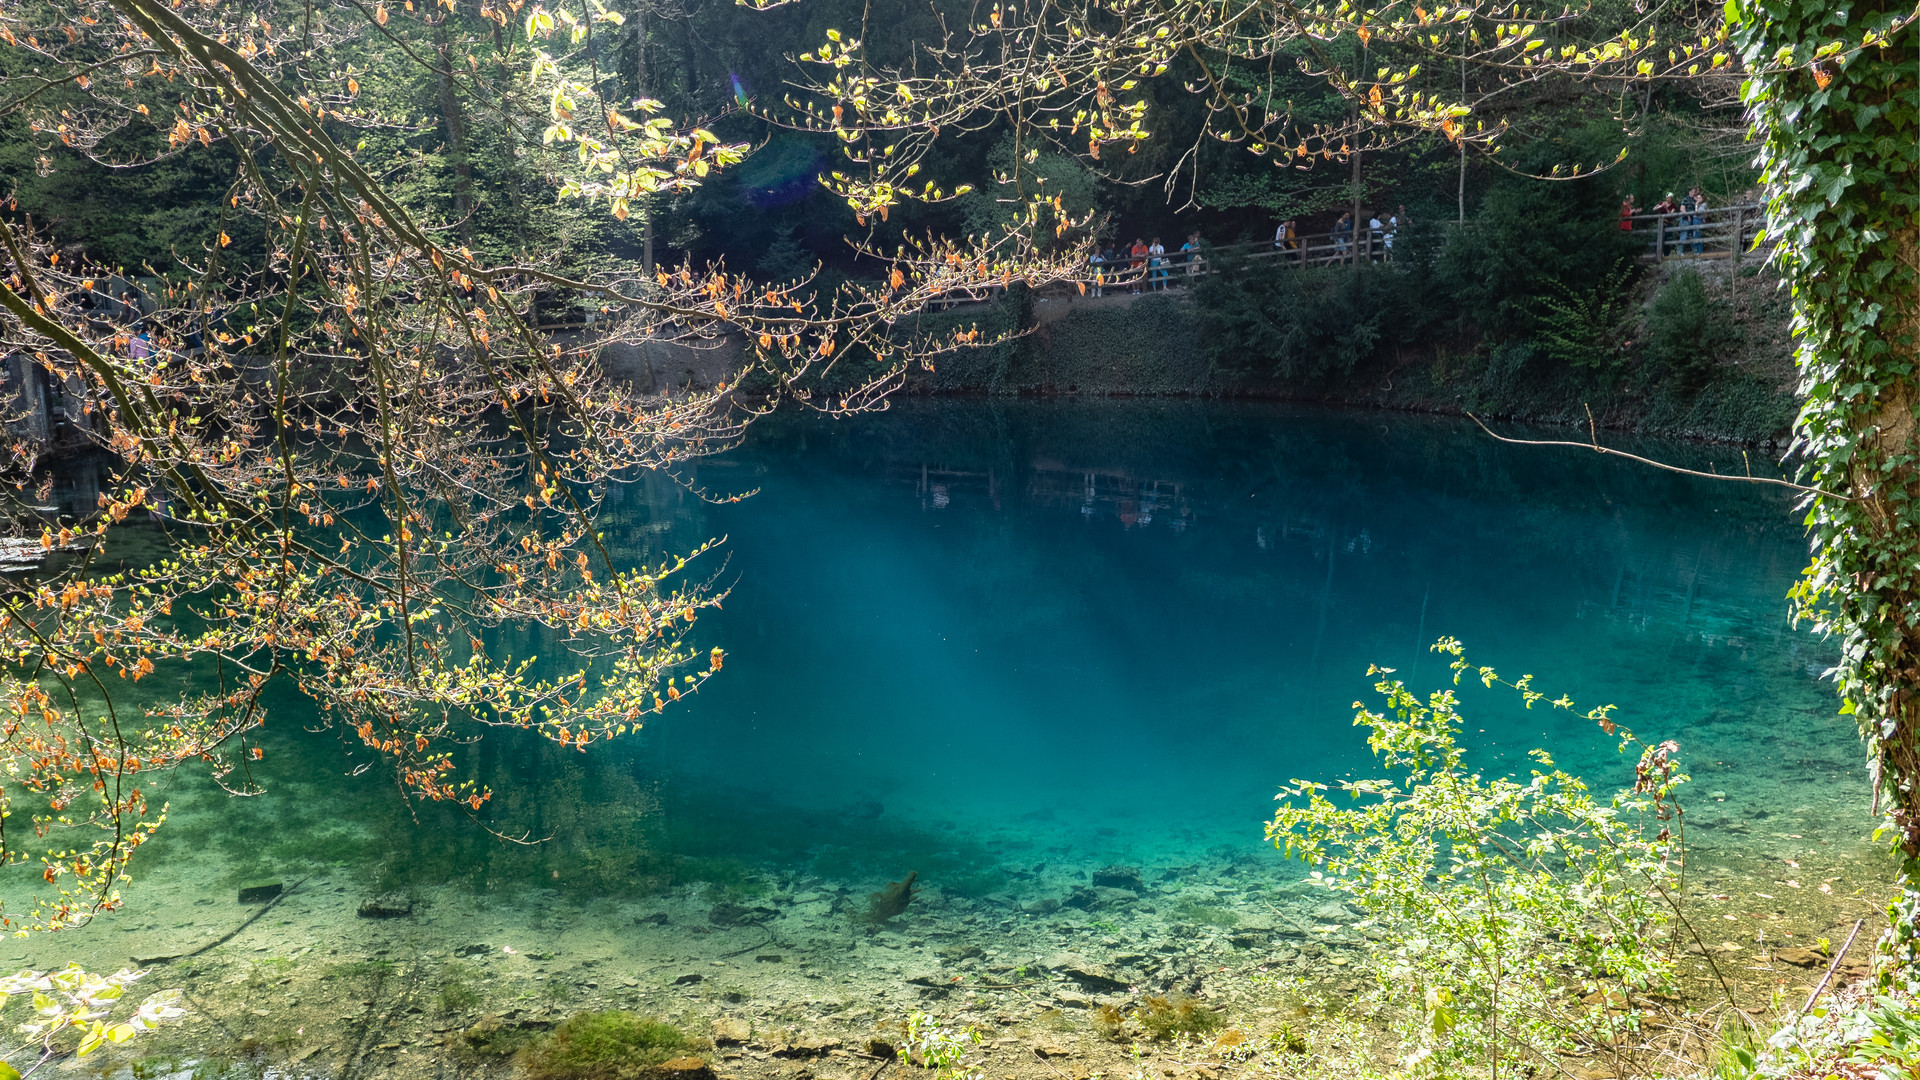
{"x": 1006, "y": 645}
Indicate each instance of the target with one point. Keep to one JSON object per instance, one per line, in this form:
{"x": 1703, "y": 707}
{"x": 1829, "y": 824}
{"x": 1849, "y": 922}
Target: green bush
{"x": 1512, "y": 918}
{"x": 612, "y": 1045}
{"x": 1688, "y": 334}
{"x": 1587, "y": 328}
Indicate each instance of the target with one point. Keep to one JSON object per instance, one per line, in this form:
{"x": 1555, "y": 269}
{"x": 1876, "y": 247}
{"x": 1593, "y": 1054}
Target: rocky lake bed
{"x": 1074, "y": 974}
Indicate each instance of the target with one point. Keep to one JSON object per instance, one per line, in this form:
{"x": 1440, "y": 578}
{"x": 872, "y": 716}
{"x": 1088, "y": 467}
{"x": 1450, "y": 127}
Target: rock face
{"x": 1096, "y": 977}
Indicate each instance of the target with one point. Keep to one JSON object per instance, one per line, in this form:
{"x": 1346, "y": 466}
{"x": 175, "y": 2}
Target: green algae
{"x": 611, "y": 1045}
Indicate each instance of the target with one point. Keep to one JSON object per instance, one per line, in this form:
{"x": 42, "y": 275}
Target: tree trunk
{"x": 455, "y": 121}
{"x": 1843, "y": 188}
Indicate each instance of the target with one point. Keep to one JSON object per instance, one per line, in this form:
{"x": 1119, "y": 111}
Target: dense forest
{"x": 1519, "y": 275}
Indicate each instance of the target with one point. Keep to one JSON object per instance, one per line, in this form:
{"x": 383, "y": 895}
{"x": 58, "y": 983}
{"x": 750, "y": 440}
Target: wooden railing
{"x": 1725, "y": 232}
{"x": 1722, "y": 232}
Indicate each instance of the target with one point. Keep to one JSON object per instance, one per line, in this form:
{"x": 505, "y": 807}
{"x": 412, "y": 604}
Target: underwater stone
{"x": 892, "y": 900}
{"x": 688, "y": 979}
{"x": 1092, "y": 976}
{"x": 728, "y": 915}
{"x": 259, "y": 892}
{"x": 1118, "y": 877}
{"x": 386, "y": 906}
{"x": 1046, "y": 905}
{"x": 731, "y": 1031}
{"x": 1332, "y": 911}
{"x": 809, "y": 1046}
{"x": 1799, "y": 957}
{"x": 681, "y": 1068}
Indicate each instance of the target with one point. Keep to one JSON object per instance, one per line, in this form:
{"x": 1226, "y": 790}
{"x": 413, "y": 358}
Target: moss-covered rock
{"x": 611, "y": 1045}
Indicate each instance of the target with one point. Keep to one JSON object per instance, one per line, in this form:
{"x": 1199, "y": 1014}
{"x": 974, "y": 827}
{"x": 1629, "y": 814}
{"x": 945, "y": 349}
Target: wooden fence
{"x": 1726, "y": 232}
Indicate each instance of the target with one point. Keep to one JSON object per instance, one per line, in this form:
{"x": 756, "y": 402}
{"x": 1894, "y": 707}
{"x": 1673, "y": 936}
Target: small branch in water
{"x": 1595, "y": 446}
{"x": 1831, "y": 968}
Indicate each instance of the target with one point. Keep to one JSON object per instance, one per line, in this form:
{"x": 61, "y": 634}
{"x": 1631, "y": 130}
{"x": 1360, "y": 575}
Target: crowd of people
{"x": 1375, "y": 242}
{"x": 1685, "y": 219}
{"x": 1147, "y": 265}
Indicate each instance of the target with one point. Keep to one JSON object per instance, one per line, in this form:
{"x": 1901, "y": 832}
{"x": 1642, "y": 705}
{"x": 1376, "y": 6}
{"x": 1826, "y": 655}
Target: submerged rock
{"x": 386, "y": 906}
{"x": 681, "y": 1068}
{"x": 1333, "y": 911}
{"x": 1092, "y": 976}
{"x": 260, "y": 892}
{"x": 808, "y": 1046}
{"x": 892, "y": 900}
{"x": 1799, "y": 957}
{"x": 1118, "y": 877}
{"x": 1100, "y": 897}
{"x": 731, "y": 1031}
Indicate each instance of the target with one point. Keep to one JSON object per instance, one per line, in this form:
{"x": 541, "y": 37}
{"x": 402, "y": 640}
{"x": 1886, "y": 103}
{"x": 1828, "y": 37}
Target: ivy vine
{"x": 1833, "y": 95}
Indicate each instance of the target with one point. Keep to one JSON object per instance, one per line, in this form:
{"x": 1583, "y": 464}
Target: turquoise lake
{"x": 1054, "y": 658}
{"x": 966, "y": 634}
{"x": 1124, "y": 624}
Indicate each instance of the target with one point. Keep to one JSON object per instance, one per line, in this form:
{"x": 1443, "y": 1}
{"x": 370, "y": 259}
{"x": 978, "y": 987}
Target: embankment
{"x": 1157, "y": 343}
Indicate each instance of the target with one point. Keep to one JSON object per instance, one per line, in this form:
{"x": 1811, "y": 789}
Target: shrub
{"x": 1515, "y": 920}
{"x": 1584, "y": 328}
{"x": 1687, "y": 333}
{"x": 612, "y": 1045}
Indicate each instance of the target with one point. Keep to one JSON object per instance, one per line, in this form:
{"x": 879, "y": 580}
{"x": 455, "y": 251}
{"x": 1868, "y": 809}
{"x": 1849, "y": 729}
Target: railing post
{"x": 1660, "y": 239}
{"x": 1739, "y": 235}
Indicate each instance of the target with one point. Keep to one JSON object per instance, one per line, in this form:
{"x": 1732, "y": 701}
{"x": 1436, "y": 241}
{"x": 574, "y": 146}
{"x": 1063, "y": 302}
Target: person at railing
{"x": 1136, "y": 265}
{"x": 1668, "y": 205}
{"x": 1697, "y": 233}
{"x": 1286, "y": 239}
{"x": 1157, "y": 259}
{"x": 1097, "y": 262}
{"x": 1190, "y": 255}
{"x": 1374, "y": 230}
{"x": 1394, "y": 221}
{"x": 1343, "y": 234}
{"x": 1627, "y": 210}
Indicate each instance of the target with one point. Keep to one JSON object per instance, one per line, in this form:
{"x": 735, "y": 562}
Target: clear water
{"x": 1003, "y": 644}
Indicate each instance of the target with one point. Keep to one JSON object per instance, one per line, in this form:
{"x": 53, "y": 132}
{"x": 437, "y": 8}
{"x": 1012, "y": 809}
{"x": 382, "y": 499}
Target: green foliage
{"x": 1512, "y": 917}
{"x": 1527, "y": 243}
{"x": 944, "y": 1051}
{"x": 1299, "y": 326}
{"x": 1688, "y": 333}
{"x": 1587, "y": 328}
{"x": 612, "y": 1045}
{"x": 1836, "y": 104}
{"x": 1852, "y": 1036}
